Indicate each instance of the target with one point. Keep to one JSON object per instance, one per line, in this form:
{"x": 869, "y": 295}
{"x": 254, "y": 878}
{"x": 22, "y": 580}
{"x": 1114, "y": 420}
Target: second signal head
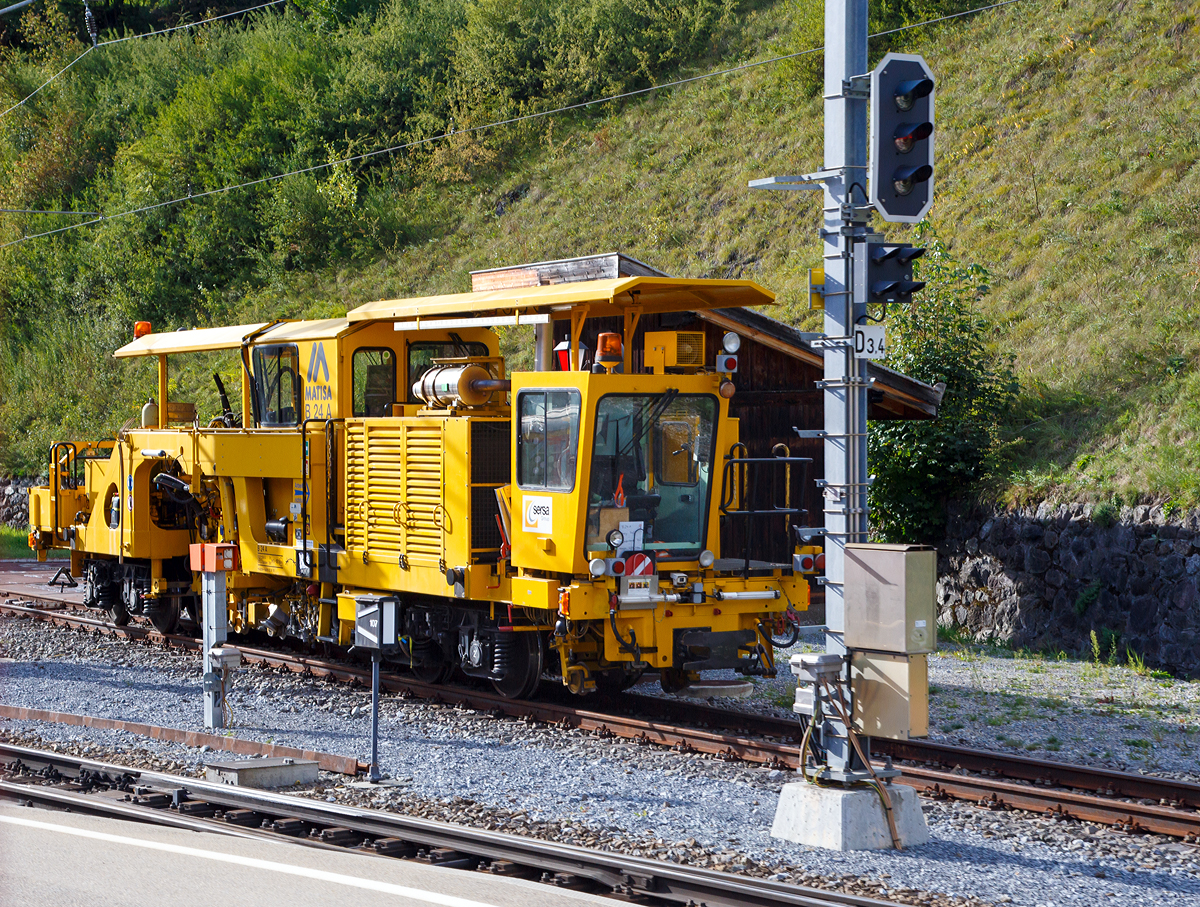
{"x": 901, "y": 160}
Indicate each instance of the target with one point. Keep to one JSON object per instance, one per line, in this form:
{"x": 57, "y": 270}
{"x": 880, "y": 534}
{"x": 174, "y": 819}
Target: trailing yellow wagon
{"x": 556, "y": 522}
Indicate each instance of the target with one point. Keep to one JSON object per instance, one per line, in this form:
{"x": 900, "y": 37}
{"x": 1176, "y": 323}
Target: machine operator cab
{"x": 612, "y": 464}
{"x": 650, "y": 468}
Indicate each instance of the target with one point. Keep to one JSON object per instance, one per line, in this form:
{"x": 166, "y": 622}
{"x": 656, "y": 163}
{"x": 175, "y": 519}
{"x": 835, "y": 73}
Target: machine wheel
{"x": 617, "y": 681}
{"x": 165, "y": 617}
{"x": 434, "y": 669}
{"x": 524, "y": 658}
{"x": 675, "y": 679}
{"x": 117, "y": 612}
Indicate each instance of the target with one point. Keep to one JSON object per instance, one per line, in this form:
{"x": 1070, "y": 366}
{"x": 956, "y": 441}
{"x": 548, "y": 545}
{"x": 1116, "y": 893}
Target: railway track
{"x": 55, "y": 781}
{"x": 1134, "y": 803}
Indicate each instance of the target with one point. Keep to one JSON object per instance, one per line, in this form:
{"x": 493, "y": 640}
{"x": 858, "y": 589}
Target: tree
{"x": 919, "y": 466}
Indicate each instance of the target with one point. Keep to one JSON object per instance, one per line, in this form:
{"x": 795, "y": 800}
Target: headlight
{"x": 596, "y": 567}
{"x": 616, "y": 539}
{"x": 707, "y": 558}
{"x": 731, "y": 342}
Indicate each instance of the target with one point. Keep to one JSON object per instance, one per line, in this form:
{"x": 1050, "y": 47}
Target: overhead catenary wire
{"x": 44, "y": 211}
{"x": 47, "y": 82}
{"x": 134, "y": 37}
{"x": 15, "y": 7}
{"x": 175, "y": 28}
{"x": 510, "y": 121}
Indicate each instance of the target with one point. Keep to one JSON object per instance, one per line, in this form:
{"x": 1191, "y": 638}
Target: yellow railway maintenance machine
{"x": 560, "y": 522}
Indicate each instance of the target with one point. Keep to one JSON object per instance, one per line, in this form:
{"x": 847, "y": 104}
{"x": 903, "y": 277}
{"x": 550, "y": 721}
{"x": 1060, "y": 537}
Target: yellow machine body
{"x": 552, "y": 522}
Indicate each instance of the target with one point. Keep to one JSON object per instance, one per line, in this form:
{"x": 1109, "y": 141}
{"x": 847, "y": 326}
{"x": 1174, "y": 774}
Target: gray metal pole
{"x": 845, "y": 504}
{"x": 216, "y": 631}
{"x": 376, "y": 656}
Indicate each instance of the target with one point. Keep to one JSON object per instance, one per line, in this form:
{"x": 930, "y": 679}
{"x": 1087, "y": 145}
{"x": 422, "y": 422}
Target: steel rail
{"x": 986, "y": 791}
{"x": 1105, "y": 782}
{"x": 439, "y": 843}
{"x": 94, "y": 805}
{"x": 1132, "y": 816}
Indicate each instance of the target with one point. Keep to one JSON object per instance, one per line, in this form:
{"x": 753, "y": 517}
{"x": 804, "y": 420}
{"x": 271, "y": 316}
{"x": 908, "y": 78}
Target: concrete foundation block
{"x": 847, "y": 818}
{"x": 262, "y": 773}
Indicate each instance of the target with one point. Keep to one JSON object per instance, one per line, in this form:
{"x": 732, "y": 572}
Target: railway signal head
{"x": 901, "y": 167}
{"x": 886, "y": 272}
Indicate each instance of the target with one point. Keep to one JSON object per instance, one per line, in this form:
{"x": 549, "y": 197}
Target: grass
{"x": 14, "y": 543}
{"x": 1066, "y": 165}
{"x": 1044, "y": 175}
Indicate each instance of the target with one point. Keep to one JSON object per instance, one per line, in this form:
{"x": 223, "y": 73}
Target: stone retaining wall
{"x": 14, "y": 501}
{"x": 1047, "y": 577}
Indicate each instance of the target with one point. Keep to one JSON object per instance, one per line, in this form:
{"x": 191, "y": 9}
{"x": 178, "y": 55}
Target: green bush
{"x": 294, "y": 88}
{"x": 1106, "y": 514}
{"x": 940, "y": 339}
{"x": 1085, "y": 598}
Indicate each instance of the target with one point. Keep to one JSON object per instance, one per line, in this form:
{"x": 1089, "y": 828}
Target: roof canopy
{"x": 603, "y": 298}
{"x": 206, "y": 340}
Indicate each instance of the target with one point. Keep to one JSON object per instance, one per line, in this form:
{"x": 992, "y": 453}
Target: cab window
{"x": 422, "y": 354}
{"x": 674, "y": 463}
{"x": 277, "y": 378}
{"x": 548, "y": 440}
{"x": 374, "y": 376}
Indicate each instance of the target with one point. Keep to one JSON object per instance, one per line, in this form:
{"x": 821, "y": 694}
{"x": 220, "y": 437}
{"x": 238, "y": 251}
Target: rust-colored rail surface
{"x": 1118, "y": 802}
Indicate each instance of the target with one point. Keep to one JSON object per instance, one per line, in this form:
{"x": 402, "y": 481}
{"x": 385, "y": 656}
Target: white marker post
{"x": 212, "y": 562}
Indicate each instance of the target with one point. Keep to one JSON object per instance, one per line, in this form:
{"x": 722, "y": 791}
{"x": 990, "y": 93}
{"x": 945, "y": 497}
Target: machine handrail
{"x": 738, "y": 496}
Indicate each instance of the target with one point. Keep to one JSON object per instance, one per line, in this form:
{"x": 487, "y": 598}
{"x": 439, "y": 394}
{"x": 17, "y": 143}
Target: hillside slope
{"x": 1066, "y": 166}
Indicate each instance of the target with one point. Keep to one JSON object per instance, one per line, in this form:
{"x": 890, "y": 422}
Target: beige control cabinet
{"x": 891, "y": 695}
{"x": 890, "y": 601}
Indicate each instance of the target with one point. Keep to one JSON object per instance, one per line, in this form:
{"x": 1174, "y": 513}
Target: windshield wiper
{"x": 649, "y": 414}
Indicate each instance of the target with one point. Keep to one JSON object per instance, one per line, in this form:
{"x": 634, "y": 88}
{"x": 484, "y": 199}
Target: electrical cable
{"x": 47, "y": 82}
{"x": 967, "y": 12}
{"x": 453, "y": 132}
{"x": 43, "y": 211}
{"x": 174, "y": 28}
{"x": 150, "y": 34}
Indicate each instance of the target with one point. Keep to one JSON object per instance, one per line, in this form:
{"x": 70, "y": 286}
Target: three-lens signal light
{"x": 901, "y": 166}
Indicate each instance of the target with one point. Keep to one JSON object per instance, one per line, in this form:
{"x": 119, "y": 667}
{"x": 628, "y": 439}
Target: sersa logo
{"x": 537, "y": 514}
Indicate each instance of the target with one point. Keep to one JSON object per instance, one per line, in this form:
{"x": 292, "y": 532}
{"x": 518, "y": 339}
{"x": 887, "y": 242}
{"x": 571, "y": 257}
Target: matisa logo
{"x": 318, "y": 395}
{"x": 537, "y": 514}
{"x": 318, "y": 365}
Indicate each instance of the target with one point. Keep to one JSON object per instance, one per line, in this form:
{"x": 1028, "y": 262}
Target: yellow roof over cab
{"x": 206, "y": 340}
{"x": 602, "y": 297}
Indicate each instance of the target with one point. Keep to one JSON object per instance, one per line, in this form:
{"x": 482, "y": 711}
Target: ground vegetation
{"x": 1065, "y": 170}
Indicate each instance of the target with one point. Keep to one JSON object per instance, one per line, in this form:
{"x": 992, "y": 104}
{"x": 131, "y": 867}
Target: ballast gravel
{"x": 1094, "y": 711}
{"x": 458, "y": 765}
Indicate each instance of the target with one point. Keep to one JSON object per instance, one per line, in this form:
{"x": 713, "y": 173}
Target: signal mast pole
{"x": 845, "y": 384}
{"x": 847, "y": 93}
